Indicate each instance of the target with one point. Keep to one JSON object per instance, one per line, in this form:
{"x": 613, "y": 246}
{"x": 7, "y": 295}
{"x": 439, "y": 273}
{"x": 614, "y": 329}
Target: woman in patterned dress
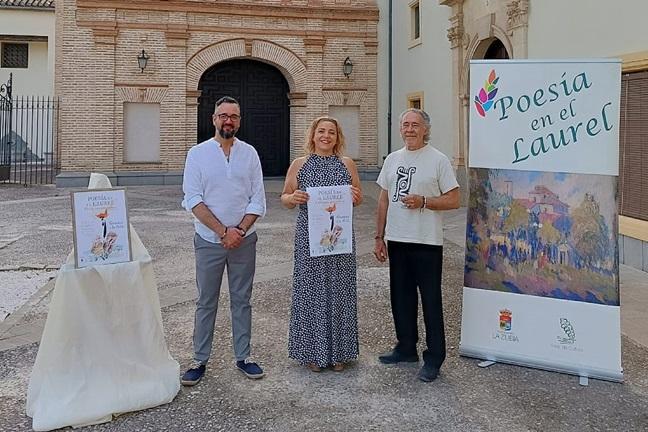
{"x": 323, "y": 317}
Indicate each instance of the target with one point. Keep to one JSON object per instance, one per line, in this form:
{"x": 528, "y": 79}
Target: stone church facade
{"x": 283, "y": 59}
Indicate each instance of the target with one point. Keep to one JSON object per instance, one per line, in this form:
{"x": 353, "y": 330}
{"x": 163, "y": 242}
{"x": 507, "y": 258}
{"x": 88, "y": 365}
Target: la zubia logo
{"x": 484, "y": 100}
{"x": 505, "y": 320}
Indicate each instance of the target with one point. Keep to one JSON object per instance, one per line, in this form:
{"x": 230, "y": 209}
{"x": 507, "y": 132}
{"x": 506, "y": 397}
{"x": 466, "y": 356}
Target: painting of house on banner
{"x": 543, "y": 234}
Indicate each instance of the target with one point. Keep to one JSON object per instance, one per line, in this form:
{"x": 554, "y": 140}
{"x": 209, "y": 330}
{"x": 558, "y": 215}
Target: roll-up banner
{"x": 541, "y": 282}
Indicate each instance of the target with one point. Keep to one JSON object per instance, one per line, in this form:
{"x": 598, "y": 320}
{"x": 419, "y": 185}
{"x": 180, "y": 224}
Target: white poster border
{"x": 545, "y": 333}
{"x": 340, "y": 235}
{"x": 121, "y": 204}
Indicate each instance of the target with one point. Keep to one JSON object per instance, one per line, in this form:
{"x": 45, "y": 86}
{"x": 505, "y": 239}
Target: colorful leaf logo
{"x": 484, "y": 100}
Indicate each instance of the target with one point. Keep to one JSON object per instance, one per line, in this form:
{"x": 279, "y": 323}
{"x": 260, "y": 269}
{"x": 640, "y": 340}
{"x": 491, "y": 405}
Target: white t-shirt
{"x": 425, "y": 171}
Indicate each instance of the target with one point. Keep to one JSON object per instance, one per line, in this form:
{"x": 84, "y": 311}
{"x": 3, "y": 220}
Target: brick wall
{"x": 97, "y": 71}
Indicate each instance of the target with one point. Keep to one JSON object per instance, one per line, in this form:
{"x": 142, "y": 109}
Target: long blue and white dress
{"x": 324, "y": 312}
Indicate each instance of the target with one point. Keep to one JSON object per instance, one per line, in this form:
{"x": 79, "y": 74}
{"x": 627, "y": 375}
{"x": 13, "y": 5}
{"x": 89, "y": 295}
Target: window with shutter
{"x": 15, "y": 55}
{"x": 633, "y": 146}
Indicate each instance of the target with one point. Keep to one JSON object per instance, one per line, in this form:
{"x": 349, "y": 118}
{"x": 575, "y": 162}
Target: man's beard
{"x": 227, "y": 134}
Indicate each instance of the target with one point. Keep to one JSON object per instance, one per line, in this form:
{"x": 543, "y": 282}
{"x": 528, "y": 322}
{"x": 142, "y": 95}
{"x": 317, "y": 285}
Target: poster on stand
{"x": 100, "y": 227}
{"x": 541, "y": 277}
{"x": 330, "y": 219}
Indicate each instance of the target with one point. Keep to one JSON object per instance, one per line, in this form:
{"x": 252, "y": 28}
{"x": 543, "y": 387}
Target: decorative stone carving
{"x": 518, "y": 14}
{"x": 456, "y": 30}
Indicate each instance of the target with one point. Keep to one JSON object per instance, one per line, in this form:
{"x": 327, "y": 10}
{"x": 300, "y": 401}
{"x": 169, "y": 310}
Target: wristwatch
{"x": 242, "y": 229}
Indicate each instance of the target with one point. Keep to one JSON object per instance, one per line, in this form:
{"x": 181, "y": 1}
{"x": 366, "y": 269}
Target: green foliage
{"x": 590, "y": 232}
{"x": 518, "y": 217}
{"x": 549, "y": 234}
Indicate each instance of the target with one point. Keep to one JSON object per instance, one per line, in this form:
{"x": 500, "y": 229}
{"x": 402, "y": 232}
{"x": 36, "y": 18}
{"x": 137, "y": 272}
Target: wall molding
{"x": 635, "y": 228}
{"x": 634, "y": 62}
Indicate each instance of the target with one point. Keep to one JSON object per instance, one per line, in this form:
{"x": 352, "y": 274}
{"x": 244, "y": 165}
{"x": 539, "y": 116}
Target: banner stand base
{"x": 582, "y": 379}
{"x": 480, "y": 353}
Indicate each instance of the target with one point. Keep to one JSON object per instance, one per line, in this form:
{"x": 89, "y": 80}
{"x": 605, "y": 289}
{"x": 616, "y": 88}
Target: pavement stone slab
{"x": 367, "y": 396}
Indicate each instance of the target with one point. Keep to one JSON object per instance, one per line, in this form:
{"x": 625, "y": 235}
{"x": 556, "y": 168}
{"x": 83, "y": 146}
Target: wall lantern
{"x": 142, "y": 59}
{"x": 347, "y": 67}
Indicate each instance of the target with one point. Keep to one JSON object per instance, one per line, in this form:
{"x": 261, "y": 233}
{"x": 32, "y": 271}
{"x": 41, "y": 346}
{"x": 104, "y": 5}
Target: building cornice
{"x": 183, "y": 35}
{"x": 239, "y": 9}
{"x": 30, "y": 9}
{"x": 450, "y": 2}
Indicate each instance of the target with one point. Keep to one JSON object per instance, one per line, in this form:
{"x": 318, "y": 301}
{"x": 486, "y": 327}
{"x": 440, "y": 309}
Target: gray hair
{"x": 426, "y": 120}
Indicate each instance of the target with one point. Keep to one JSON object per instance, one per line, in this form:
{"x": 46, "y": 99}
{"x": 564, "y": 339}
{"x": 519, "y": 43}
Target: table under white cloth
{"x": 103, "y": 350}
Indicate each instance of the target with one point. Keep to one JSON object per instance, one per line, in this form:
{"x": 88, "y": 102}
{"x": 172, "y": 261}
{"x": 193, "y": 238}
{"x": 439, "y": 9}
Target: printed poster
{"x": 541, "y": 277}
{"x": 330, "y": 215}
{"x": 101, "y": 234}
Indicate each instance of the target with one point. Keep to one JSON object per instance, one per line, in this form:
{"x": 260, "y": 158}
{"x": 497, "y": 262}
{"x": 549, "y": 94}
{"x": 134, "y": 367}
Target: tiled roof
{"x": 27, "y": 4}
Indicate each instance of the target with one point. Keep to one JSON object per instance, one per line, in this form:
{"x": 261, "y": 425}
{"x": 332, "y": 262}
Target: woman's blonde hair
{"x": 309, "y": 145}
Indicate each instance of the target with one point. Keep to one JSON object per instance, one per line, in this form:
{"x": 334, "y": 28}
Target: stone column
{"x": 456, "y": 37}
{"x": 176, "y": 36}
{"x": 315, "y": 104}
{"x": 517, "y": 12}
{"x": 298, "y": 110}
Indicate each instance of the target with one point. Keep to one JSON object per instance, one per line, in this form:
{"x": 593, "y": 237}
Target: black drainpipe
{"x": 389, "y": 85}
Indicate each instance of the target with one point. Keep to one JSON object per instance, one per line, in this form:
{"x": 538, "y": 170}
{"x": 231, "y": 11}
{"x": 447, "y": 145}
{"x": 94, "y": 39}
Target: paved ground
{"x": 367, "y": 396}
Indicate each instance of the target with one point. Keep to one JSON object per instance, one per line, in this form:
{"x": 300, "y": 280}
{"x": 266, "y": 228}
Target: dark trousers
{"x": 412, "y": 266}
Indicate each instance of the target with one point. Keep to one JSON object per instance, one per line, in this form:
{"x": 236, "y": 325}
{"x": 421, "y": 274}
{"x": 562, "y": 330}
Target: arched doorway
{"x": 496, "y": 51}
{"x": 262, "y": 91}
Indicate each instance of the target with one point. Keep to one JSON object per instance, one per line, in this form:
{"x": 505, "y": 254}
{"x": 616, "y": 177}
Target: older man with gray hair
{"x": 417, "y": 182}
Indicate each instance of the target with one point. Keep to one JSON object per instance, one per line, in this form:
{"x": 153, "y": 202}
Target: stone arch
{"x": 290, "y": 65}
{"x": 501, "y": 34}
{"x": 476, "y": 50}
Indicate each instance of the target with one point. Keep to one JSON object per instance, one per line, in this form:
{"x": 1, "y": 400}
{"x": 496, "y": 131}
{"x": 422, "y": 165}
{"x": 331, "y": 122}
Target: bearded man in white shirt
{"x": 417, "y": 182}
{"x": 223, "y": 188}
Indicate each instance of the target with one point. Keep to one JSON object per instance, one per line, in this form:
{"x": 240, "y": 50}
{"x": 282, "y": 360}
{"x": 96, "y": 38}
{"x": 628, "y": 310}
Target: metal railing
{"x": 28, "y": 138}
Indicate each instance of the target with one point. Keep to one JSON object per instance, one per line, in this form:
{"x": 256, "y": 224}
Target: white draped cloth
{"x": 103, "y": 350}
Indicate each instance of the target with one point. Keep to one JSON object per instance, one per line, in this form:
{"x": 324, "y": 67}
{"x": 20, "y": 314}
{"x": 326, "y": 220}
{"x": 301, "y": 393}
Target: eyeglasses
{"x": 233, "y": 117}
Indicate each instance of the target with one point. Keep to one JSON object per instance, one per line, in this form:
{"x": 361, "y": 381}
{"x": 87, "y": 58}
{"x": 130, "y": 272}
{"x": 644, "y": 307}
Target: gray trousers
{"x": 211, "y": 260}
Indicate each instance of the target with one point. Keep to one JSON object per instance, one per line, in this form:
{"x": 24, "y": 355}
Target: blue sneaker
{"x": 194, "y": 374}
{"x": 250, "y": 368}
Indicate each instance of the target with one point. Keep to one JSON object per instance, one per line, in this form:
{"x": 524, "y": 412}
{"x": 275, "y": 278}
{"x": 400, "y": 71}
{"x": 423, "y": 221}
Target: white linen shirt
{"x": 230, "y": 189}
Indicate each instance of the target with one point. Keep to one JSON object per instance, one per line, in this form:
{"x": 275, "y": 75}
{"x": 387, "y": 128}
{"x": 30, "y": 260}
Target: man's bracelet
{"x": 239, "y": 227}
{"x": 379, "y": 237}
{"x": 424, "y": 205}
{"x": 224, "y": 234}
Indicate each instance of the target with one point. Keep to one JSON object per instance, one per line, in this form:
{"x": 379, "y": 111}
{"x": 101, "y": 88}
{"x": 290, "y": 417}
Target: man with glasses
{"x": 223, "y": 188}
{"x": 416, "y": 182}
